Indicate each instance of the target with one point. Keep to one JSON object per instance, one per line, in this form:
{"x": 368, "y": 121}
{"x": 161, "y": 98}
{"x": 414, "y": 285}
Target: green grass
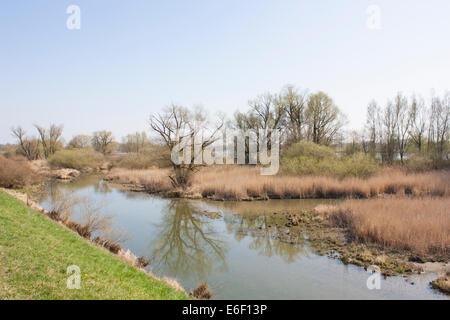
{"x": 36, "y": 251}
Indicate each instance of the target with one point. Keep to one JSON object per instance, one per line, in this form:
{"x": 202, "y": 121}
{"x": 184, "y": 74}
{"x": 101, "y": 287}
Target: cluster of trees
{"x": 400, "y": 128}
{"x": 46, "y": 144}
{"x": 49, "y": 141}
{"x": 136, "y": 142}
{"x": 297, "y": 114}
{"x": 101, "y": 141}
{"x": 408, "y": 126}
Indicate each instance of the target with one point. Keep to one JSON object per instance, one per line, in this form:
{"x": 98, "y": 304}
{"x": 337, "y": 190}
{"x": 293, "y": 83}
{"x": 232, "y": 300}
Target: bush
{"x": 424, "y": 162}
{"x": 135, "y": 161}
{"x": 156, "y": 156}
{"x": 310, "y": 150}
{"x": 10, "y": 151}
{"x": 16, "y": 173}
{"x": 307, "y": 158}
{"x": 358, "y": 165}
{"x": 76, "y": 159}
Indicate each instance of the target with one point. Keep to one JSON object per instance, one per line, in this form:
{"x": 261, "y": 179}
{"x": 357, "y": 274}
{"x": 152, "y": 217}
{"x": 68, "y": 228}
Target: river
{"x": 225, "y": 252}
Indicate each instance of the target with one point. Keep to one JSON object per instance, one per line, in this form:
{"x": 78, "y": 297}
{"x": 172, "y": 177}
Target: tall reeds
{"x": 419, "y": 225}
{"x": 243, "y": 182}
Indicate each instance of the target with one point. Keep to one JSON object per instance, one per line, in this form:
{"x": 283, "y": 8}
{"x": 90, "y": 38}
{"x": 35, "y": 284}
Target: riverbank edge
{"x": 125, "y": 256}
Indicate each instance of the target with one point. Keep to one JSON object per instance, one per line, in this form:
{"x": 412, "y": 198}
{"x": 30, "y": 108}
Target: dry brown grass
{"x": 16, "y": 173}
{"x": 419, "y": 225}
{"x": 244, "y": 182}
{"x": 153, "y": 180}
{"x": 241, "y": 182}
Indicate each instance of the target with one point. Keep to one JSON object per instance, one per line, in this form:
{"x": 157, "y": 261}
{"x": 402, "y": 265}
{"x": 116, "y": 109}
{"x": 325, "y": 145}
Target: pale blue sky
{"x": 130, "y": 58}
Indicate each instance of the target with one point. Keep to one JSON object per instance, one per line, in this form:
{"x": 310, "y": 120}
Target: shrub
{"x": 425, "y": 162}
{"x": 358, "y": 165}
{"x": 202, "y": 292}
{"x": 76, "y": 159}
{"x": 135, "y": 161}
{"x": 310, "y": 150}
{"x": 16, "y": 173}
{"x": 110, "y": 245}
{"x": 155, "y": 156}
{"x": 10, "y": 151}
{"x": 307, "y": 158}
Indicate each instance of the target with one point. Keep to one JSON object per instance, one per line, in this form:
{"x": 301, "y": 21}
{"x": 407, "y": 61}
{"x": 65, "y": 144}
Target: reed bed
{"x": 152, "y": 180}
{"x": 419, "y": 225}
{"x": 243, "y": 182}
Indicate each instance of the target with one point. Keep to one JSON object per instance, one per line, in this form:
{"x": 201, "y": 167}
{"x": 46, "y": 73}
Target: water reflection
{"x": 268, "y": 207}
{"x": 267, "y": 237}
{"x": 187, "y": 243}
{"x": 54, "y": 189}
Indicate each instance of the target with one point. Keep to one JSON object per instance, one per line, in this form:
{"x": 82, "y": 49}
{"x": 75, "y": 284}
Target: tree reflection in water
{"x": 102, "y": 187}
{"x": 264, "y": 235}
{"x": 187, "y": 244}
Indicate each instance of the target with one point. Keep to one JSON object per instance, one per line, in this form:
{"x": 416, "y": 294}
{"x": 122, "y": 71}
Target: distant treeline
{"x": 407, "y": 127}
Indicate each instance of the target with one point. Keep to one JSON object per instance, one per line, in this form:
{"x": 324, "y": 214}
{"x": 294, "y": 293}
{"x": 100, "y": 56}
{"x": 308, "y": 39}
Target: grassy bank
{"x": 246, "y": 183}
{"x": 36, "y": 251}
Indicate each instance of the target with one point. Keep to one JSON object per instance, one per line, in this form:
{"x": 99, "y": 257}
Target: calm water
{"x": 235, "y": 254}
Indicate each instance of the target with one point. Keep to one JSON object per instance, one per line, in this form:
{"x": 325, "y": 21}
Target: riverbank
{"x": 36, "y": 251}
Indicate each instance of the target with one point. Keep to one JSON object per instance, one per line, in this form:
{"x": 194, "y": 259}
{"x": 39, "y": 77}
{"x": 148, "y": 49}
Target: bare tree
{"x": 50, "y": 139}
{"x": 245, "y": 121}
{"x": 372, "y": 126}
{"x": 29, "y": 147}
{"x": 178, "y": 127}
{"x": 418, "y": 114}
{"x": 294, "y": 104}
{"x": 388, "y": 133}
{"x": 403, "y": 119}
{"x": 267, "y": 112}
{"x": 19, "y": 133}
{"x": 324, "y": 119}
{"x": 135, "y": 142}
{"x": 103, "y": 141}
{"x": 439, "y": 124}
{"x": 80, "y": 141}
{"x": 354, "y": 144}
